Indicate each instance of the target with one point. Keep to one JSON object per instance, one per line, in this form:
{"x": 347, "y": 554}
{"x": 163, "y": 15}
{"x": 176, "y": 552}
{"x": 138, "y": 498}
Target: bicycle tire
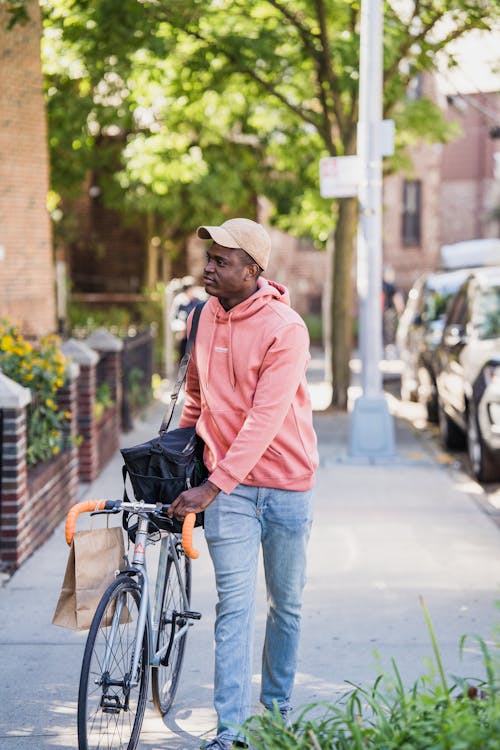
{"x": 165, "y": 679}
{"x": 111, "y": 717}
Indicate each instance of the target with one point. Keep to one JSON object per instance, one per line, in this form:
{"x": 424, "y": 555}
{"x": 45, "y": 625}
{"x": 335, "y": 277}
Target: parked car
{"x": 419, "y": 332}
{"x": 468, "y": 373}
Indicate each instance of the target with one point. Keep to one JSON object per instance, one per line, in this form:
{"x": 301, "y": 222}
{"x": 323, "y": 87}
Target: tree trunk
{"x": 151, "y": 275}
{"x": 341, "y": 318}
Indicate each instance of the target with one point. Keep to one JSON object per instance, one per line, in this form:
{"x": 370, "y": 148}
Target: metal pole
{"x": 372, "y": 429}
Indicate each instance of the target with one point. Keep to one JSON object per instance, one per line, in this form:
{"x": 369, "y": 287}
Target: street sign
{"x": 339, "y": 176}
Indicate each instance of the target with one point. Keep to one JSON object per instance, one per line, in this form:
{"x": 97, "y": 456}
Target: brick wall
{"x": 459, "y": 190}
{"x": 26, "y": 265}
{"x": 469, "y": 190}
{"x": 87, "y": 452}
{"x": 109, "y": 254}
{"x": 409, "y": 261}
{"x": 33, "y": 501}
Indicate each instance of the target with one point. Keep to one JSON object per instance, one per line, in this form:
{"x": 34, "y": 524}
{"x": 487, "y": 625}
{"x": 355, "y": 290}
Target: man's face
{"x": 225, "y": 275}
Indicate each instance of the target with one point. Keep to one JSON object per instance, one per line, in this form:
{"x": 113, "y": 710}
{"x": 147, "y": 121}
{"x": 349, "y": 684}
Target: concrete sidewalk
{"x": 383, "y": 535}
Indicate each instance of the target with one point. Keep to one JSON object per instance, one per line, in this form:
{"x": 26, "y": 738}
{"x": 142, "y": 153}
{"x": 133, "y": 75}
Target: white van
{"x": 470, "y": 254}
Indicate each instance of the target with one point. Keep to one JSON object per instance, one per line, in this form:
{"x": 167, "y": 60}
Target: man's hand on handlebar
{"x": 194, "y": 500}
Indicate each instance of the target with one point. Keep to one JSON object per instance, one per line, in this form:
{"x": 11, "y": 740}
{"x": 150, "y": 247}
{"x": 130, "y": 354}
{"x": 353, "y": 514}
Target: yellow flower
{"x": 55, "y": 450}
{"x": 59, "y": 382}
{"x": 50, "y": 403}
{"x": 6, "y": 342}
{"x": 67, "y": 414}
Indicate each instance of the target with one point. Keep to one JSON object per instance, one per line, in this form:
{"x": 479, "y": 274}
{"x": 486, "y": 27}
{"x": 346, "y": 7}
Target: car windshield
{"x": 439, "y": 289}
{"x": 486, "y": 313}
{"x": 435, "y": 304}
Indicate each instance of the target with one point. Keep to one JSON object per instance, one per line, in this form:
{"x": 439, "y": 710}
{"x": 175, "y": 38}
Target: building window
{"x": 411, "y": 212}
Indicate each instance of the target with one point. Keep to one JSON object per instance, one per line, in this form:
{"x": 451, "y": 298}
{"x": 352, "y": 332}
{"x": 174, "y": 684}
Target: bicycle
{"x": 127, "y": 638}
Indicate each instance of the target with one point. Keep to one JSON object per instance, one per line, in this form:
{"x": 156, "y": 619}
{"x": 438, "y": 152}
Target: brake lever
{"x": 106, "y": 511}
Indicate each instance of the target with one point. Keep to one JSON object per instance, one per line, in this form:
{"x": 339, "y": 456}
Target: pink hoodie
{"x": 246, "y": 392}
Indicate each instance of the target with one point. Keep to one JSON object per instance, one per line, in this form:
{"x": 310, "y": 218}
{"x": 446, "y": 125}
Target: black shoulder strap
{"x": 183, "y": 365}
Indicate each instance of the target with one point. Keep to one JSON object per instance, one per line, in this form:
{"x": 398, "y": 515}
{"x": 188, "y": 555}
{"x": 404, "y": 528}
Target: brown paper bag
{"x": 94, "y": 557}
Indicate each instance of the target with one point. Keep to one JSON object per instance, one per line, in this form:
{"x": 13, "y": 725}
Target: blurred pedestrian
{"x": 184, "y": 302}
{"x": 392, "y": 309}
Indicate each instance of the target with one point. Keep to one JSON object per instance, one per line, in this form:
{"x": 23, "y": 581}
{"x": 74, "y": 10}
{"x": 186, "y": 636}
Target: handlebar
{"x": 89, "y": 506}
{"x": 86, "y": 506}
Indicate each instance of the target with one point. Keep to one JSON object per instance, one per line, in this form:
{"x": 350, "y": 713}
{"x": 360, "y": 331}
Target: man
{"x": 247, "y": 395}
{"x": 184, "y": 302}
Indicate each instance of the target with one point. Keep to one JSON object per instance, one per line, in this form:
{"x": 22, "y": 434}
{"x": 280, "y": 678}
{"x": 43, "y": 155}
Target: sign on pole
{"x": 339, "y": 176}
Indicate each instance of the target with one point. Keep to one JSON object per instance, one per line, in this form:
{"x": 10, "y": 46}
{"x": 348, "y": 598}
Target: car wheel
{"x": 482, "y": 463}
{"x": 451, "y": 435}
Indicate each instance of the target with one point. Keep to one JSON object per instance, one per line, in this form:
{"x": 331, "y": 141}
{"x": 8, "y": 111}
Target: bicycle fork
{"x": 111, "y": 703}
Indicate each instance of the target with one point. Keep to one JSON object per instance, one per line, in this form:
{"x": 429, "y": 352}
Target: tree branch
{"x": 239, "y": 67}
{"x": 308, "y": 38}
{"x": 408, "y": 42}
{"x": 305, "y": 33}
{"x": 325, "y": 70}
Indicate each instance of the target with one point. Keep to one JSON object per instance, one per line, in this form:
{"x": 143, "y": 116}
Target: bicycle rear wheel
{"x": 176, "y": 599}
{"x": 110, "y": 708}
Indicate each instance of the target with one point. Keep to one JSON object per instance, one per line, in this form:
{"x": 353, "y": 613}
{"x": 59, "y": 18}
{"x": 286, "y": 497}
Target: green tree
{"x": 126, "y": 115}
{"x": 187, "y": 110}
{"x": 302, "y": 60}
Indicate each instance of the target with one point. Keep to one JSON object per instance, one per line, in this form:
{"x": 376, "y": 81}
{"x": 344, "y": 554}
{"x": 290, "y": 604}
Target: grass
{"x": 436, "y": 713}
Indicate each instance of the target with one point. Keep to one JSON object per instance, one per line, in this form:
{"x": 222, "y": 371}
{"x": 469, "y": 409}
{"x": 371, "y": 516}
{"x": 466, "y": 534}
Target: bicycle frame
{"x": 138, "y": 568}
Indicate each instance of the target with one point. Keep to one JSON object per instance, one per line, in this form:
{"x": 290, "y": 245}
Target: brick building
{"x": 26, "y": 262}
{"x": 469, "y": 191}
{"x": 451, "y": 194}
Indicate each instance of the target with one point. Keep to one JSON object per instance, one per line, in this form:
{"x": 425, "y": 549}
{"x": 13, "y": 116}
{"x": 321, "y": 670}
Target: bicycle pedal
{"x": 190, "y": 615}
{"x": 111, "y": 704}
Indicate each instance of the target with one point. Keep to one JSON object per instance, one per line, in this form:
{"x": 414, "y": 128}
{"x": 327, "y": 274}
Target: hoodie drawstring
{"x": 212, "y": 336}
{"x": 232, "y": 374}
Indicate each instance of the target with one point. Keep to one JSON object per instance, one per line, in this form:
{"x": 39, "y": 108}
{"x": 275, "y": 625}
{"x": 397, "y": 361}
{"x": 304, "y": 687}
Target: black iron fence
{"x": 137, "y": 373}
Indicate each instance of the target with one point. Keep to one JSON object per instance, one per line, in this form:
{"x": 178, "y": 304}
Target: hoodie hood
{"x": 266, "y": 292}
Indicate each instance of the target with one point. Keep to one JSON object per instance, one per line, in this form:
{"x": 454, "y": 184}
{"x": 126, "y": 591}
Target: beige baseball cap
{"x": 243, "y": 233}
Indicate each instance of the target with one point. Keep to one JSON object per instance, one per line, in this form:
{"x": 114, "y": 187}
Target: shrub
{"x": 40, "y": 366}
{"x": 103, "y": 400}
{"x": 122, "y": 320}
{"x": 138, "y": 391}
{"x": 431, "y": 715}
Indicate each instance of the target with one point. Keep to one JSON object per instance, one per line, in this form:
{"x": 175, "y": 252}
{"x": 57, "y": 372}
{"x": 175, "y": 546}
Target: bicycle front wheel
{"x": 111, "y": 700}
{"x": 175, "y": 601}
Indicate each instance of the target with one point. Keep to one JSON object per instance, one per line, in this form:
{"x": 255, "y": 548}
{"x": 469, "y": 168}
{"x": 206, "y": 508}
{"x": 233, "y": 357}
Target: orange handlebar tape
{"x": 187, "y": 536}
{"x": 86, "y": 506}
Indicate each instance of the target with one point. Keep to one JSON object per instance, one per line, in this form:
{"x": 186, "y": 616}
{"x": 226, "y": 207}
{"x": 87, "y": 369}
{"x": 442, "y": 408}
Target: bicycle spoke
{"x": 176, "y": 598}
{"x": 110, "y": 711}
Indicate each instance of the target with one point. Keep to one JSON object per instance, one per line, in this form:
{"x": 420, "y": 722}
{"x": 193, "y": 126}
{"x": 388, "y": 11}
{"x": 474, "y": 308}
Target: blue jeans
{"x": 235, "y": 527}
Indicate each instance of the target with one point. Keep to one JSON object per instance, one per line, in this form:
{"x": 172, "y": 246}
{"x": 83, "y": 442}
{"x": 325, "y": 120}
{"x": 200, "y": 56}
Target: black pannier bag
{"x": 160, "y": 469}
